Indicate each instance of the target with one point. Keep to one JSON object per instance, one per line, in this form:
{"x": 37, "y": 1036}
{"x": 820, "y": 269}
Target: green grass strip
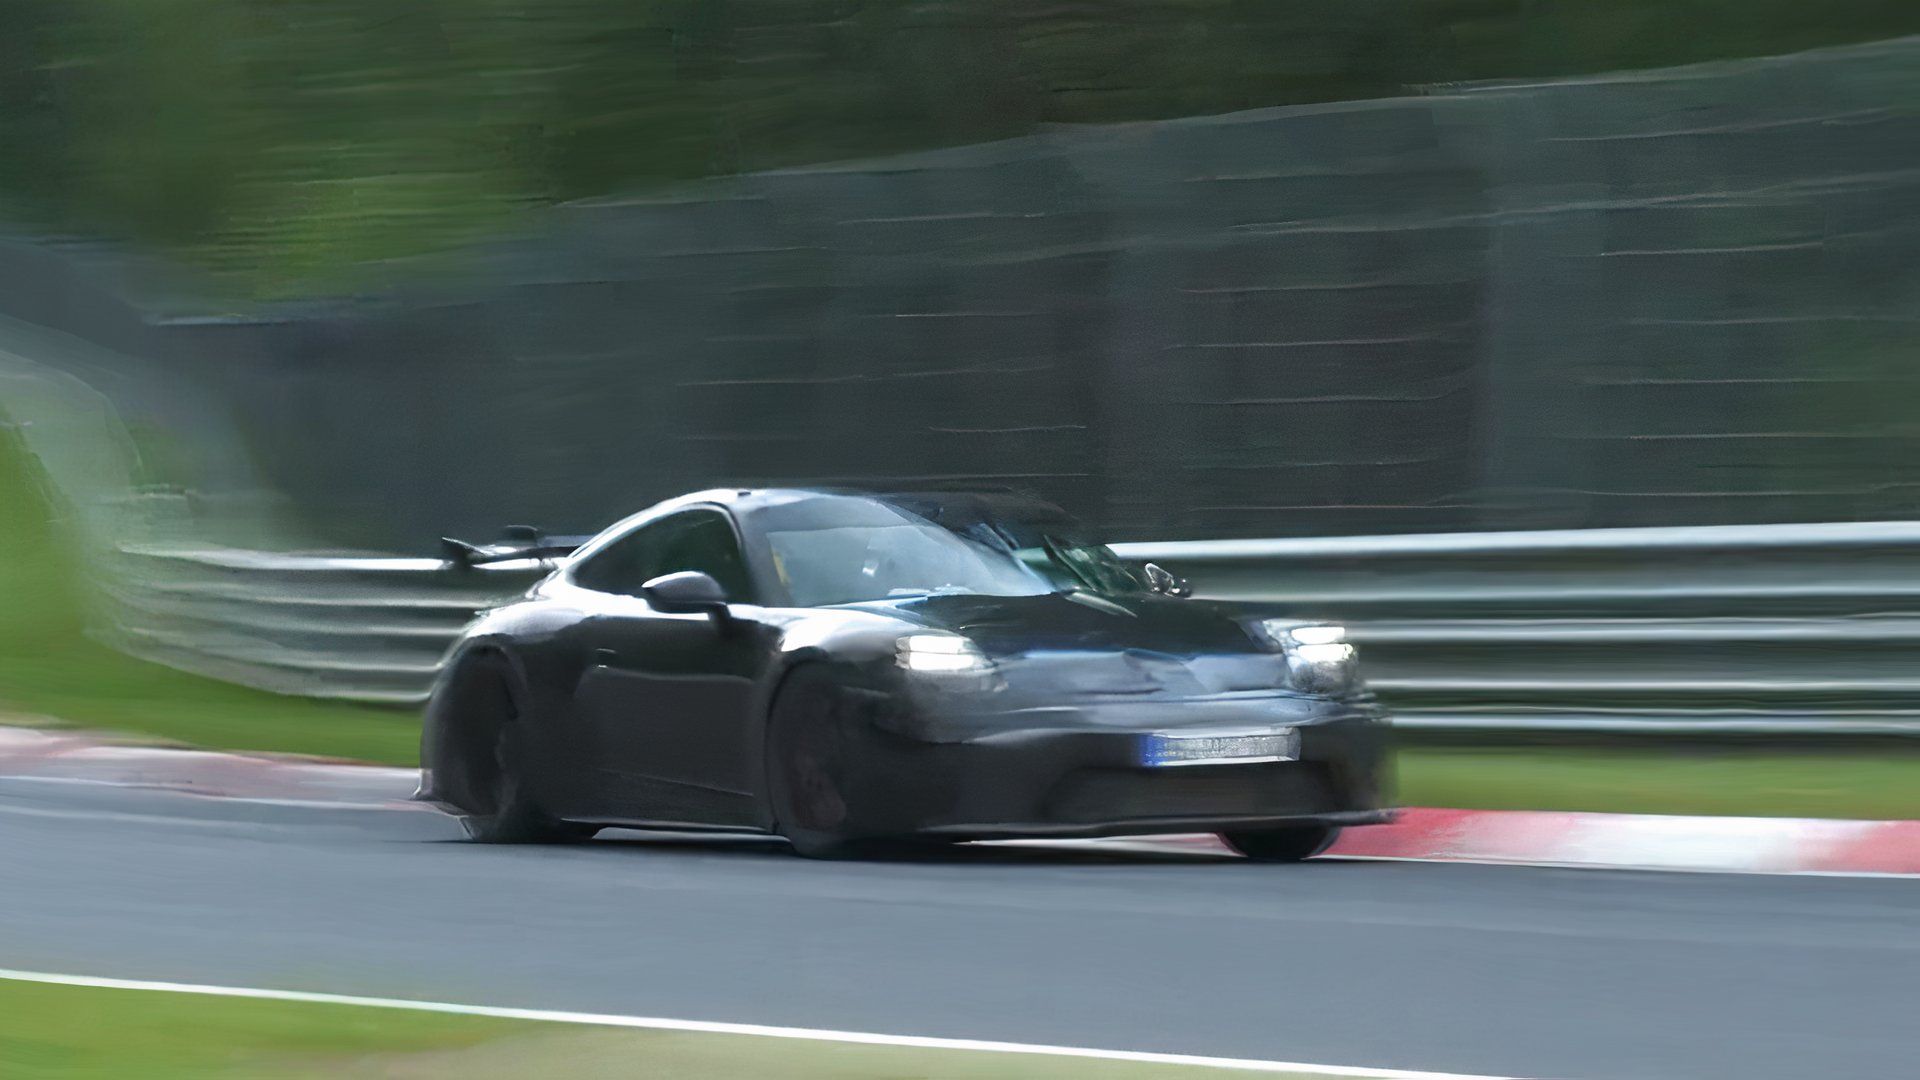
{"x": 82, "y": 1033}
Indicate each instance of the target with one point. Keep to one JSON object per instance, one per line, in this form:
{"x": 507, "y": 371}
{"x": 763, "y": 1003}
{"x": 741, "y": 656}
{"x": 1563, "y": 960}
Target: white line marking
{"x": 721, "y": 1028}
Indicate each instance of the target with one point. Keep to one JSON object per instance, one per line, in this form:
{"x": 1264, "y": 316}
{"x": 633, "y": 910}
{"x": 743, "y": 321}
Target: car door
{"x": 664, "y": 700}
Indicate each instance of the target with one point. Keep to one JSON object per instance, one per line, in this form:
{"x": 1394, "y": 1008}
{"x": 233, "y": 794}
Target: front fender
{"x": 525, "y": 636}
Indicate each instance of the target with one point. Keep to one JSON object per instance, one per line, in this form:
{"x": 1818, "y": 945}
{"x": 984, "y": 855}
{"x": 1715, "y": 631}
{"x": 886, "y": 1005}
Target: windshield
{"x": 1077, "y": 565}
{"x": 847, "y": 564}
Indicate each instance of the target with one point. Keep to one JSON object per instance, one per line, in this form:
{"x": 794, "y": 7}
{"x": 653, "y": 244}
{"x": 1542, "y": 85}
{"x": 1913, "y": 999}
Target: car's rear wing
{"x": 517, "y": 542}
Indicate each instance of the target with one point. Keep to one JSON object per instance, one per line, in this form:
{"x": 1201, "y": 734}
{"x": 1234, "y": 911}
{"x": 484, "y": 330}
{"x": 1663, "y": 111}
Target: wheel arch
{"x": 850, "y": 672}
{"x": 447, "y": 734}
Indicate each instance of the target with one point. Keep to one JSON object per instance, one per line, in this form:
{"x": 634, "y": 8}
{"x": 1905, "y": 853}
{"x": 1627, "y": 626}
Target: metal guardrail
{"x": 1781, "y": 629}
{"x": 357, "y": 627}
{"x": 1790, "y": 629}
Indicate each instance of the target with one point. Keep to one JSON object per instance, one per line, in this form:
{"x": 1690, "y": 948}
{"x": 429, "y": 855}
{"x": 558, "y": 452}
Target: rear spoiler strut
{"x": 518, "y": 542}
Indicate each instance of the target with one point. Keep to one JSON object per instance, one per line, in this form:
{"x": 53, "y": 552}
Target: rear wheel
{"x": 1282, "y": 845}
{"x": 502, "y": 810}
{"x": 810, "y": 758}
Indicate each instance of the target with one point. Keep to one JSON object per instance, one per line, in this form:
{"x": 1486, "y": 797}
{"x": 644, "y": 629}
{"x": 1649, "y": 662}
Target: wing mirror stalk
{"x": 1166, "y": 582}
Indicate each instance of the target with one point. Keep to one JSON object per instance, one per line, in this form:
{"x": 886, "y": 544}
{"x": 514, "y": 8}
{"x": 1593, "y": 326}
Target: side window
{"x": 690, "y": 540}
{"x": 705, "y": 542}
{"x": 621, "y": 567}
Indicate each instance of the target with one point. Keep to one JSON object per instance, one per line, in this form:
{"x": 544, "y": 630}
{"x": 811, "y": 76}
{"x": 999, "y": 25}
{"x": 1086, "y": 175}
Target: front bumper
{"x": 1075, "y": 770}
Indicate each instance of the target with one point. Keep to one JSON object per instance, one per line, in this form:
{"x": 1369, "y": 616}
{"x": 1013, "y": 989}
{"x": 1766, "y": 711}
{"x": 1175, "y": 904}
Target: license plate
{"x": 1176, "y": 748}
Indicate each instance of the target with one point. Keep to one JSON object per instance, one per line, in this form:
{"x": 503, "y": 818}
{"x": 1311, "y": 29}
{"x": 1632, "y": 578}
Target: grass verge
{"x": 49, "y": 667}
{"x": 70, "y": 1033}
{"x": 1651, "y": 780}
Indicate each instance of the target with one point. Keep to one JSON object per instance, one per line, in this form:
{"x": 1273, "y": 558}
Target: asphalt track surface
{"x": 1482, "y": 969}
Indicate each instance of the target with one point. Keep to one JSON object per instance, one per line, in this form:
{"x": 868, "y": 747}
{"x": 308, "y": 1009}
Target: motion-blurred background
{"x": 292, "y": 289}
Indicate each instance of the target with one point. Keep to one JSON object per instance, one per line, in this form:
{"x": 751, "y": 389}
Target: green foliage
{"x": 50, "y": 669}
{"x": 284, "y": 143}
{"x": 39, "y": 594}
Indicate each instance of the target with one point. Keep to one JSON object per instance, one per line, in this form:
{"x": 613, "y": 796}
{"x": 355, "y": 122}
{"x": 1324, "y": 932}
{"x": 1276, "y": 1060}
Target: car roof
{"x": 747, "y": 499}
{"x": 957, "y": 510}
{"x": 954, "y": 508}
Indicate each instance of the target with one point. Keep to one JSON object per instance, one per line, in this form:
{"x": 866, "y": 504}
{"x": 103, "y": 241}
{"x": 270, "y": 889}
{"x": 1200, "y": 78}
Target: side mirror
{"x": 686, "y": 591}
{"x": 1165, "y": 582}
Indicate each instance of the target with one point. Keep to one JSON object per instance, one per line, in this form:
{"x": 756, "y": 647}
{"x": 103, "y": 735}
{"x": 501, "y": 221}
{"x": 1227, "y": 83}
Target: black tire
{"x": 1282, "y": 845}
{"x": 809, "y": 735}
{"x": 505, "y": 811}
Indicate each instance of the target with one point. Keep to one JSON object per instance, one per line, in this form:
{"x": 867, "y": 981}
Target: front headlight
{"x": 1319, "y": 660}
{"x": 933, "y": 653}
{"x": 1287, "y": 635}
{"x": 1314, "y": 635}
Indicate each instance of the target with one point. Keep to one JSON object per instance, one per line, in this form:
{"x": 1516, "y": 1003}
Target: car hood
{"x": 1003, "y": 626}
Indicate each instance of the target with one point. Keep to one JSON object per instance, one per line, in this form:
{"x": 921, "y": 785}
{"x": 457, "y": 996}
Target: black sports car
{"x": 856, "y": 672}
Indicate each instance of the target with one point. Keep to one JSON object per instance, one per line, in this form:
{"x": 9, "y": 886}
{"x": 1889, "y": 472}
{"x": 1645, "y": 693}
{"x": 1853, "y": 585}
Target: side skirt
{"x": 671, "y": 826}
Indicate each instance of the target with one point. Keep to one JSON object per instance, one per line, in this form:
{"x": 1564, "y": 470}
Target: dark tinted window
{"x": 705, "y": 542}
{"x": 618, "y": 567}
{"x": 700, "y": 540}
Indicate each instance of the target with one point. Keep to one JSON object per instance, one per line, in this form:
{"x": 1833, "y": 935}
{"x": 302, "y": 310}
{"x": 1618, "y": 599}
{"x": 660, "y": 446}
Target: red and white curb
{"x": 34, "y": 754}
{"x": 1618, "y": 841}
{"x": 1632, "y": 841}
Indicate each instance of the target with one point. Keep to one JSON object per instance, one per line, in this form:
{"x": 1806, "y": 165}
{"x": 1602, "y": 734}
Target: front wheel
{"x": 1282, "y": 845}
{"x": 502, "y": 810}
{"x": 812, "y": 759}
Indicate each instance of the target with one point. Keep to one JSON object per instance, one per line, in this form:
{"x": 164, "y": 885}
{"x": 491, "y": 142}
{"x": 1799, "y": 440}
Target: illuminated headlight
{"x": 1330, "y": 653}
{"x": 1319, "y": 660}
{"x": 1316, "y": 635}
{"x": 939, "y": 653}
{"x": 1286, "y": 635}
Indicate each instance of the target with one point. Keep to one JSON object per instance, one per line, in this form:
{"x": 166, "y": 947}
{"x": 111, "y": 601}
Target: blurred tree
{"x": 289, "y": 143}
